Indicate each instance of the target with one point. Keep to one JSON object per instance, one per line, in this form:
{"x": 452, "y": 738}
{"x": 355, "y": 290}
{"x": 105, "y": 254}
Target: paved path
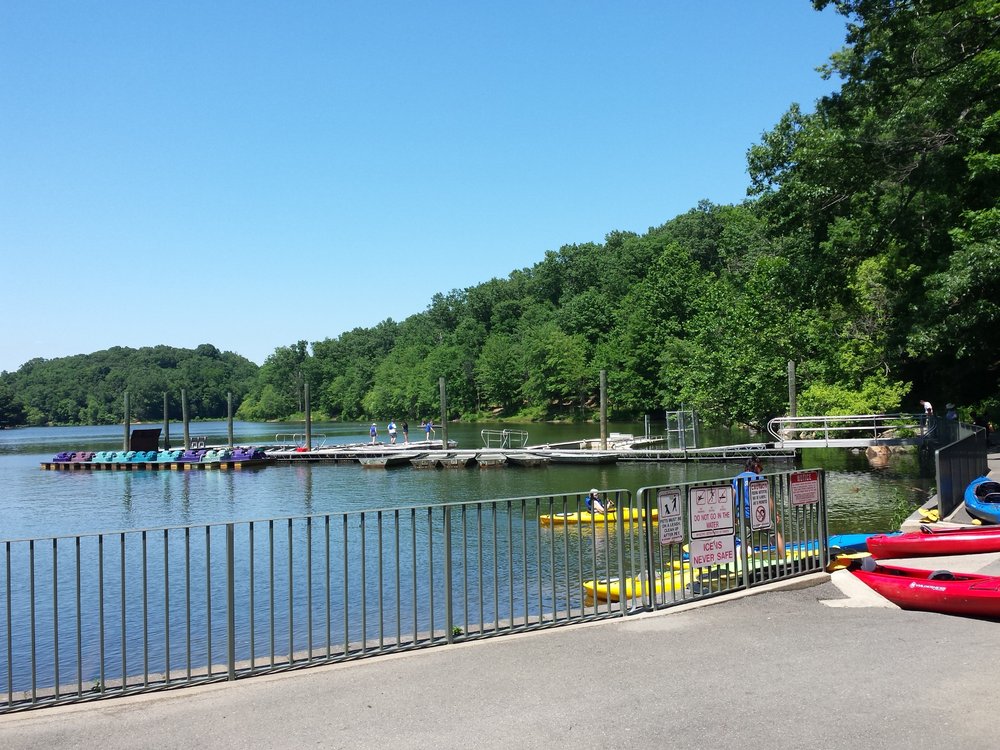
{"x": 780, "y": 668}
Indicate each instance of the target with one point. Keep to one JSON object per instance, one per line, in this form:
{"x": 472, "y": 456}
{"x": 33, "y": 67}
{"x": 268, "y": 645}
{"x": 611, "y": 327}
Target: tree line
{"x": 866, "y": 253}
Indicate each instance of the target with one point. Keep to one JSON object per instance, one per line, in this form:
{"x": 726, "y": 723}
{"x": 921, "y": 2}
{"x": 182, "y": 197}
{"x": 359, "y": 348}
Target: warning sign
{"x": 804, "y": 486}
{"x": 720, "y": 550}
{"x": 760, "y": 505}
{"x": 711, "y": 511}
{"x": 669, "y": 502}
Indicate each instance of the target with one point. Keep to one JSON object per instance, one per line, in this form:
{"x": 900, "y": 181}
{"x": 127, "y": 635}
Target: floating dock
{"x": 430, "y": 454}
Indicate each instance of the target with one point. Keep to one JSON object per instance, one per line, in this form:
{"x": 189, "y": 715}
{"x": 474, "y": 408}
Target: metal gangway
{"x": 851, "y": 430}
{"x": 504, "y": 439}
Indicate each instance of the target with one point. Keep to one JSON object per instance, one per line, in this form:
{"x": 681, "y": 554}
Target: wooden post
{"x": 184, "y": 416}
{"x": 166, "y": 424}
{"x": 791, "y": 389}
{"x": 128, "y": 421}
{"x": 444, "y": 414}
{"x": 229, "y": 416}
{"x": 604, "y": 410}
{"x": 309, "y": 439}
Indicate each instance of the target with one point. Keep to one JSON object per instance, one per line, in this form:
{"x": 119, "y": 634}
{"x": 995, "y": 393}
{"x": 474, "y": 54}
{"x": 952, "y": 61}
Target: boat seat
{"x": 986, "y": 489}
{"x": 869, "y": 565}
{"x": 941, "y": 575}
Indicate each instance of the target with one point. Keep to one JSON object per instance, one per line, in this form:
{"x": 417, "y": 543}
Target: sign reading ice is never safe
{"x": 804, "y": 487}
{"x": 719, "y": 550}
{"x": 711, "y": 511}
{"x": 669, "y": 517}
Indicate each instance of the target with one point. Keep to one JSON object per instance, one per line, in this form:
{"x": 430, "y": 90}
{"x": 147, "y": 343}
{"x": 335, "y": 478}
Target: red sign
{"x": 804, "y": 486}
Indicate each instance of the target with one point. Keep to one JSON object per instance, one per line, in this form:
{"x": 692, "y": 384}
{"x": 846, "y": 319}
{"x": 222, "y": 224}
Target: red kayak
{"x": 931, "y": 542}
{"x": 935, "y": 590}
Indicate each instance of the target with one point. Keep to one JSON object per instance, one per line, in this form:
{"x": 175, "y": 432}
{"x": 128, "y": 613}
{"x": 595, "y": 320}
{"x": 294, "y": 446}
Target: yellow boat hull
{"x": 680, "y": 575}
{"x": 624, "y": 515}
{"x": 614, "y": 589}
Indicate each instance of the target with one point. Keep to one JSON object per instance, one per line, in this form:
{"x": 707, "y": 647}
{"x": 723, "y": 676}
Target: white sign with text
{"x": 719, "y": 550}
{"x": 711, "y": 511}
{"x": 760, "y": 505}
{"x": 804, "y": 487}
{"x": 669, "y": 509}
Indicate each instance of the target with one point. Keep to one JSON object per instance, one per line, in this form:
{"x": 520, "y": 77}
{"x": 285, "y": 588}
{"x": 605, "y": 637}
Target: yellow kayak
{"x": 679, "y": 576}
{"x": 610, "y": 589}
{"x": 625, "y": 515}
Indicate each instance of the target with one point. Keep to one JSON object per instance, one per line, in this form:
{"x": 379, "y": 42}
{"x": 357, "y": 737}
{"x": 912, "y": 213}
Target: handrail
{"x": 504, "y": 438}
{"x": 850, "y": 429}
{"x": 298, "y": 439}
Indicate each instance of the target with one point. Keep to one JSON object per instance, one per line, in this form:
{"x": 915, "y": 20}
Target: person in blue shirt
{"x": 373, "y": 431}
{"x": 392, "y": 432}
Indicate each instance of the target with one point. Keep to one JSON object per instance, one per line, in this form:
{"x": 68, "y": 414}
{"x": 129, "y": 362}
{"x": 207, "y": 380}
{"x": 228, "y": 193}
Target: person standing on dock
{"x": 406, "y": 432}
{"x": 429, "y": 429}
{"x": 392, "y": 432}
{"x": 373, "y": 431}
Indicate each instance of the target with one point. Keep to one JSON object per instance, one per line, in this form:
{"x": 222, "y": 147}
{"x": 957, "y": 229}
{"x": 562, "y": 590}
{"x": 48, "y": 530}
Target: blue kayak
{"x": 848, "y": 543}
{"x": 982, "y": 499}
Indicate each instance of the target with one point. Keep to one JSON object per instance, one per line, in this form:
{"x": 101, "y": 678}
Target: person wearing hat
{"x": 951, "y": 413}
{"x": 373, "y": 431}
{"x": 594, "y": 503}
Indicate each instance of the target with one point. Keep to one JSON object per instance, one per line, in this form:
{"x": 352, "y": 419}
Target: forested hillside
{"x": 867, "y": 252}
{"x": 89, "y": 388}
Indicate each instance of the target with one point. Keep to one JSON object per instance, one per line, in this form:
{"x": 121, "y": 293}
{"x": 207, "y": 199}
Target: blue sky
{"x": 251, "y": 174}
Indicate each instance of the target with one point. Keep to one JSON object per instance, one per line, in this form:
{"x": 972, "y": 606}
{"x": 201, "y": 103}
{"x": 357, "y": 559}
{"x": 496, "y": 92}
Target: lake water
{"x": 37, "y": 503}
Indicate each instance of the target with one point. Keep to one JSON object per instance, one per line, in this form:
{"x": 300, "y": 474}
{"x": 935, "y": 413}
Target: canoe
{"x": 626, "y": 515}
{"x": 982, "y": 499}
{"x": 969, "y": 594}
{"x": 932, "y": 541}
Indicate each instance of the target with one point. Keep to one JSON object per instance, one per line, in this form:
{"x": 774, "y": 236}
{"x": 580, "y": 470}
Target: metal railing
{"x": 850, "y": 431}
{"x": 504, "y": 438}
{"x": 99, "y": 615}
{"x": 298, "y": 440}
{"x": 778, "y": 531}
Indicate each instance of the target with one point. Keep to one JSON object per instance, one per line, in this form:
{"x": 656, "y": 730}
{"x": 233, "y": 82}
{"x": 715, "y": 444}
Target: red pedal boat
{"x": 931, "y": 542}
{"x": 941, "y": 591}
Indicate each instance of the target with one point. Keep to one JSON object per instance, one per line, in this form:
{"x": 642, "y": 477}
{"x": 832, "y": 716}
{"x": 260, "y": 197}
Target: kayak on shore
{"x": 932, "y": 541}
{"x": 969, "y": 594}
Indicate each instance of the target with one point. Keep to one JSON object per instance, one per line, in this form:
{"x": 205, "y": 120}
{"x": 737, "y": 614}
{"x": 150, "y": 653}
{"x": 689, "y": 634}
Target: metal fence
{"x": 100, "y": 615}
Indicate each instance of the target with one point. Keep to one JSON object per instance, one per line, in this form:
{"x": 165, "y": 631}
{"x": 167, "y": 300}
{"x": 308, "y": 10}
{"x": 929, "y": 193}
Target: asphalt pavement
{"x": 787, "y": 665}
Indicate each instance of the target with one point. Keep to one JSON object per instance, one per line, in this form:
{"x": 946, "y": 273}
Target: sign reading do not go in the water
{"x": 711, "y": 511}
{"x": 712, "y": 524}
